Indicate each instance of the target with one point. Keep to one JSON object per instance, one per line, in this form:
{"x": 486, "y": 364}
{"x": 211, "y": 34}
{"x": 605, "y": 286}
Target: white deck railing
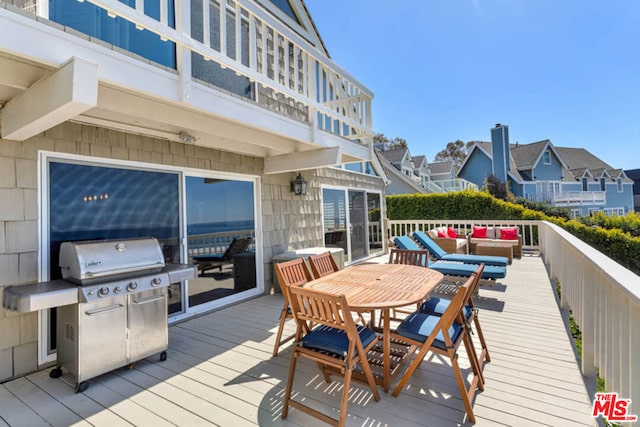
{"x": 267, "y": 52}
{"x": 604, "y": 298}
{"x": 212, "y": 243}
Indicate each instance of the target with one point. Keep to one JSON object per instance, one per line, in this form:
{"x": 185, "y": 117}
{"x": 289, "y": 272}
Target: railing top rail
{"x": 627, "y": 279}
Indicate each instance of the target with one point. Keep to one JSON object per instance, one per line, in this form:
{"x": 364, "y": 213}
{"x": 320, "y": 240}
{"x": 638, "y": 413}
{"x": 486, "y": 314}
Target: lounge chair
{"x": 440, "y": 255}
{"x": 451, "y": 268}
{"x": 208, "y": 261}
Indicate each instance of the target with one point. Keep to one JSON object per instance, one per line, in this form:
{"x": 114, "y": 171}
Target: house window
{"x": 619, "y": 182}
{"x": 94, "y": 21}
{"x": 603, "y": 184}
{"x": 576, "y": 213}
{"x": 585, "y": 184}
{"x": 188, "y": 214}
{"x": 546, "y": 157}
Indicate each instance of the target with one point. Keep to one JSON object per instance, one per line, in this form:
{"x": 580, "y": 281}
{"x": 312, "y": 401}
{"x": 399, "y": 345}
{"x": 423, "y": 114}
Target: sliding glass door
{"x": 351, "y": 220}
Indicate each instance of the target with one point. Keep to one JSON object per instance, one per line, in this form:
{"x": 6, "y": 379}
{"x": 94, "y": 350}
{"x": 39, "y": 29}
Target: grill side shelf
{"x": 39, "y": 296}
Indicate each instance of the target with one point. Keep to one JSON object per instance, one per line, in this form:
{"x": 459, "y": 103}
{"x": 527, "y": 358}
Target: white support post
{"x": 183, "y": 55}
{"x": 223, "y": 27}
{"x": 206, "y": 23}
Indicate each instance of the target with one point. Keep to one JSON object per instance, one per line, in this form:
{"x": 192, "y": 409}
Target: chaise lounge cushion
{"x": 436, "y": 252}
{"x": 448, "y": 268}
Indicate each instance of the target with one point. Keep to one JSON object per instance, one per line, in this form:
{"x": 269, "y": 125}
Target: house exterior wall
{"x": 516, "y": 189}
{"x": 620, "y": 199}
{"x": 477, "y": 168}
{"x": 552, "y": 172}
{"x": 288, "y": 221}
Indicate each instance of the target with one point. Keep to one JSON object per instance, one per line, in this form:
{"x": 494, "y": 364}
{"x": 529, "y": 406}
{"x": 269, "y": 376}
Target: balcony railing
{"x": 602, "y": 296}
{"x": 448, "y": 185}
{"x": 578, "y": 198}
{"x": 238, "y": 38}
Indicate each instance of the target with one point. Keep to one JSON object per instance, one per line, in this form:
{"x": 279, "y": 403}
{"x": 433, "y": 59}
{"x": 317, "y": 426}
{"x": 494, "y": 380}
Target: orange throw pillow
{"x": 479, "y": 232}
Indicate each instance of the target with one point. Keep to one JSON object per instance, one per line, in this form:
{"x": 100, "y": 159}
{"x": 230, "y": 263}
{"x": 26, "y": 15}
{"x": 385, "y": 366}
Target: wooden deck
{"x": 220, "y": 372}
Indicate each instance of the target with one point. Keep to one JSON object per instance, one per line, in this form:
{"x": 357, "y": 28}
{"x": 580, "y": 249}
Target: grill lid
{"x": 95, "y": 261}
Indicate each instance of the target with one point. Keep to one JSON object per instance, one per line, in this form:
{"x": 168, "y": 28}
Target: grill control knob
{"x": 103, "y": 291}
{"x": 117, "y": 289}
{"x": 156, "y": 281}
{"x": 132, "y": 286}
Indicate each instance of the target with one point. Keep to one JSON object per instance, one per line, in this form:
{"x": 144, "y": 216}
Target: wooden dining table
{"x": 369, "y": 287}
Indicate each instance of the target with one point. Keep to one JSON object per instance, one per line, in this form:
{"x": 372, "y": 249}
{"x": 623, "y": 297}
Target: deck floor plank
{"x": 220, "y": 371}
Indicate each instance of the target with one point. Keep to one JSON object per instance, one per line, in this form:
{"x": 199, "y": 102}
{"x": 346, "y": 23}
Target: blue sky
{"x": 442, "y": 70}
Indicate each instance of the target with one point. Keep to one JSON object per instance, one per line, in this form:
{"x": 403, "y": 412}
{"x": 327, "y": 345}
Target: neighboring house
{"x": 182, "y": 120}
{"x": 399, "y": 182}
{"x": 561, "y": 176}
{"x": 413, "y": 174}
{"x": 442, "y": 171}
{"x": 634, "y": 175}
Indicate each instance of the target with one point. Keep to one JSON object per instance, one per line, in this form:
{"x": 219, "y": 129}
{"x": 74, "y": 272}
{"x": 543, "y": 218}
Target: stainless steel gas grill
{"x": 119, "y": 315}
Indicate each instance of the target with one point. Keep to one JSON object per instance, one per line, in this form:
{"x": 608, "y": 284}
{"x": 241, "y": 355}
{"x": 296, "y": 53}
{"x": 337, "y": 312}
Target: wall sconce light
{"x": 299, "y": 185}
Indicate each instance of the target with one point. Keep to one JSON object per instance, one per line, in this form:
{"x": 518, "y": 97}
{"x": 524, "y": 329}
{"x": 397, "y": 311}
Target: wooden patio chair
{"x": 407, "y": 257}
{"x": 437, "y": 306}
{"x": 323, "y": 264}
{"x": 441, "y": 335}
{"x": 289, "y": 273}
{"x": 336, "y": 344}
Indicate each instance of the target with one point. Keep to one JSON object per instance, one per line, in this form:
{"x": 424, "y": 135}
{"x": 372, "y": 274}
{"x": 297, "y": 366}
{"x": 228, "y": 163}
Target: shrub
{"x": 622, "y": 246}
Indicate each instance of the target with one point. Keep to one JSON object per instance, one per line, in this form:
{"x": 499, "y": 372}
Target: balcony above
{"x": 232, "y": 76}
{"x": 579, "y": 198}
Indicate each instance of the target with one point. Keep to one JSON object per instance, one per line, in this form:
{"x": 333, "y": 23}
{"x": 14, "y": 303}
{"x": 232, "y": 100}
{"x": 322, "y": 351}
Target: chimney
{"x": 500, "y": 149}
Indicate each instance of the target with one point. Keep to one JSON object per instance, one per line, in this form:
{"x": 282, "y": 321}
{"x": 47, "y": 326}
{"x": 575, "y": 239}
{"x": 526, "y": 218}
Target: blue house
{"x": 560, "y": 176}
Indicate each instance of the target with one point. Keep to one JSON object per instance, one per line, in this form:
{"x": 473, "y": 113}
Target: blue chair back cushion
{"x": 437, "y": 306}
{"x": 429, "y": 244}
{"x": 405, "y": 242}
{"x": 326, "y": 338}
{"x": 418, "y": 326}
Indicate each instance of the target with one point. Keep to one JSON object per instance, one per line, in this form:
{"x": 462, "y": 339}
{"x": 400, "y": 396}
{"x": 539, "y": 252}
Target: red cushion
{"x": 479, "y": 232}
{"x": 508, "y": 233}
{"x": 452, "y": 233}
{"x": 441, "y": 234}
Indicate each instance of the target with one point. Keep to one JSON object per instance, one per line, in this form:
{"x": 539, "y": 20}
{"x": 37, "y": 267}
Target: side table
{"x": 495, "y": 249}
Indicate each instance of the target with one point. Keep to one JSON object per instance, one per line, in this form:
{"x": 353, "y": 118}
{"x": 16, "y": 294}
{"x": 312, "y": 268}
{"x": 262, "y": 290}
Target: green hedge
{"x": 629, "y": 223}
{"x": 466, "y": 205}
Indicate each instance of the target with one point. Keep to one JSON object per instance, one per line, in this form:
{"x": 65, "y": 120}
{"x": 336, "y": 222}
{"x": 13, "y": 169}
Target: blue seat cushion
{"x": 209, "y": 257}
{"x": 334, "y": 340}
{"x": 465, "y": 270}
{"x": 500, "y": 261}
{"x": 438, "y": 253}
{"x": 419, "y": 326}
{"x": 437, "y": 306}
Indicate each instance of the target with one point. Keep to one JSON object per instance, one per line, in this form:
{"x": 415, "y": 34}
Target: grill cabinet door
{"x": 148, "y": 330}
{"x": 102, "y": 336}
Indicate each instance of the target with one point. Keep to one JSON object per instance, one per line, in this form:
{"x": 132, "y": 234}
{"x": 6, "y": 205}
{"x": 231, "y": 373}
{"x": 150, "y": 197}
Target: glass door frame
{"x": 346, "y": 189}
{"x": 45, "y": 157}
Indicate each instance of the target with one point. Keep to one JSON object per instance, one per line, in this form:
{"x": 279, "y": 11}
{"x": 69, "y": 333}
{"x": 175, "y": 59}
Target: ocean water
{"x": 219, "y": 227}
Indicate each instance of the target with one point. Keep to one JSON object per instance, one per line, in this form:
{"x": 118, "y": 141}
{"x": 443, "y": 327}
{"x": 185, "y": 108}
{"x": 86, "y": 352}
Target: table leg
{"x": 386, "y": 350}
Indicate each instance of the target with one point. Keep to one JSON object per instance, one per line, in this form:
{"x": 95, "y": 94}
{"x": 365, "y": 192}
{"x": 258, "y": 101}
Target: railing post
{"x": 183, "y": 55}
